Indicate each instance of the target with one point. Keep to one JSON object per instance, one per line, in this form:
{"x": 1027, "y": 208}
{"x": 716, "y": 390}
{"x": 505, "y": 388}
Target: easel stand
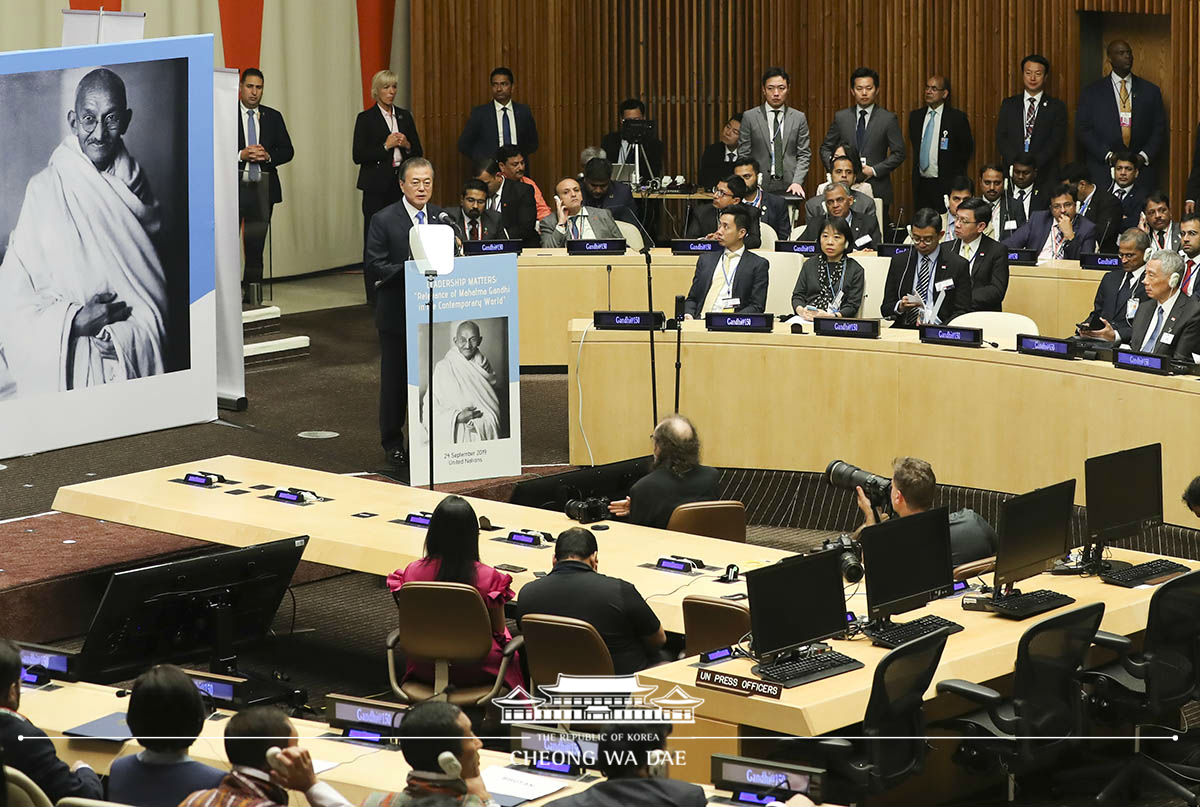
{"x": 429, "y": 278}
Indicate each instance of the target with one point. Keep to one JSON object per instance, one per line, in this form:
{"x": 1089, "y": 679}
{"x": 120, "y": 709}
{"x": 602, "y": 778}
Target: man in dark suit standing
{"x": 839, "y": 205}
{"x": 1121, "y": 112}
{"x": 512, "y": 200}
{"x": 1032, "y": 123}
{"x": 777, "y": 136}
{"x": 263, "y": 146}
{"x": 940, "y": 137}
{"x": 1059, "y": 233}
{"x": 734, "y": 279}
{"x": 928, "y": 284}
{"x": 502, "y": 122}
{"x": 475, "y": 222}
{"x": 620, "y": 151}
{"x": 772, "y": 210}
{"x": 717, "y": 159}
{"x": 986, "y": 258}
{"x": 873, "y": 130}
{"x": 1169, "y": 322}
{"x": 1097, "y": 205}
{"x": 1121, "y": 291}
{"x": 387, "y": 250}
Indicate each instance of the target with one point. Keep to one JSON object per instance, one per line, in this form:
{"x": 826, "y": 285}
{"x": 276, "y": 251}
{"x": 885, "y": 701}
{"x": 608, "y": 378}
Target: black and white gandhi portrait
{"x": 93, "y": 226}
{"x": 470, "y": 380}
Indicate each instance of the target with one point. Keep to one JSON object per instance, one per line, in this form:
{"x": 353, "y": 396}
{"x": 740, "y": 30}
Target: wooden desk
{"x": 983, "y": 418}
{"x": 375, "y": 545}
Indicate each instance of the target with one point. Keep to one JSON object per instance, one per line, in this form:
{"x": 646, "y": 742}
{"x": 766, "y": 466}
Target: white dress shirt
{"x": 512, "y": 122}
{"x": 1047, "y": 253}
{"x": 1023, "y": 202}
{"x": 1191, "y": 284}
{"x": 1083, "y": 206}
{"x": 1116, "y": 85}
{"x": 243, "y": 110}
{"x": 412, "y": 212}
{"x": 390, "y": 118}
{"x": 932, "y": 148}
{"x": 585, "y": 226}
{"x": 735, "y": 258}
{"x": 1166, "y": 317}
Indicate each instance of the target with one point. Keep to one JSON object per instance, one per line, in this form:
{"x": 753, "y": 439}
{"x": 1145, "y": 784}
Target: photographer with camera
{"x": 911, "y": 490}
{"x": 677, "y": 476}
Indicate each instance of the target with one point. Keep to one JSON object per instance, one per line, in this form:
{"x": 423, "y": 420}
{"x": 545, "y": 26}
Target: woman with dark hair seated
{"x": 830, "y": 283}
{"x": 452, "y": 556}
{"x": 166, "y": 715}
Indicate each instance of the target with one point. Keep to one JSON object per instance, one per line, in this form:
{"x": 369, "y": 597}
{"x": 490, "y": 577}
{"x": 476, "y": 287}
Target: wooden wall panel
{"x": 694, "y": 62}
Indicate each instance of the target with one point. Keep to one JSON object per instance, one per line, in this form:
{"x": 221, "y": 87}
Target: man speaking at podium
{"x": 387, "y": 250}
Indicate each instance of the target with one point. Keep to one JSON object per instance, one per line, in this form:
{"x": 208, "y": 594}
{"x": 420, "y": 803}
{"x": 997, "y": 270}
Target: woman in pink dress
{"x": 452, "y": 556}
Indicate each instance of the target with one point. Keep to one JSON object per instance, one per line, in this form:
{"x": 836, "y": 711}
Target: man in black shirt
{"x": 678, "y": 477}
{"x": 612, "y": 606}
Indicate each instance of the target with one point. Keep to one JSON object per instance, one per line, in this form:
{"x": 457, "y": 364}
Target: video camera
{"x": 878, "y": 489}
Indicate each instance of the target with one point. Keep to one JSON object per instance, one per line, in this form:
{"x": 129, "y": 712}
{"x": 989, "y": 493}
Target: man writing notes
{"x": 734, "y": 279}
{"x": 930, "y": 284}
{"x": 466, "y": 396}
{"x": 573, "y": 221}
{"x": 83, "y": 297}
{"x": 776, "y": 135}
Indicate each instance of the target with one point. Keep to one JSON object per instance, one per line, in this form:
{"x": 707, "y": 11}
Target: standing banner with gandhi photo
{"x": 106, "y": 242}
{"x": 476, "y": 401}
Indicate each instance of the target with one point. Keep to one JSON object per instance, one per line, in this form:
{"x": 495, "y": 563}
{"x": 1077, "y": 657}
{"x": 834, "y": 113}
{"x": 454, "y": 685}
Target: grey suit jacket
{"x": 883, "y": 144}
{"x": 862, "y": 204}
{"x": 755, "y": 141}
{"x": 601, "y": 221}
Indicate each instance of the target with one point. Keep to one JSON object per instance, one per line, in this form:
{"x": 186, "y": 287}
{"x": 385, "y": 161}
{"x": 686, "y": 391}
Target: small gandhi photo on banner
{"x": 470, "y": 380}
{"x": 94, "y": 260}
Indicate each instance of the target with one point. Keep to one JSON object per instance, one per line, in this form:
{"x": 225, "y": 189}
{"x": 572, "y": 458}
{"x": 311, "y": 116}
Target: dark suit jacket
{"x": 883, "y": 145}
{"x": 518, "y": 211}
{"x": 1183, "y": 322}
{"x": 1193, "y": 182}
{"x": 902, "y": 275}
{"x": 808, "y": 286}
{"x": 1173, "y": 237}
{"x": 1049, "y": 132}
{"x": 652, "y": 153}
{"x": 989, "y": 273}
{"x": 1111, "y": 301}
{"x": 860, "y": 226}
{"x": 749, "y": 283}
{"x": 1131, "y": 206}
{"x": 490, "y": 220}
{"x": 1098, "y": 126}
{"x": 642, "y": 792}
{"x": 960, "y": 145}
{"x": 619, "y": 195}
{"x": 37, "y": 759}
{"x": 1033, "y": 233}
{"x": 814, "y": 207}
{"x": 272, "y": 136}
{"x": 1012, "y": 210}
{"x": 713, "y": 167}
{"x": 703, "y": 220}
{"x": 373, "y": 160}
{"x": 773, "y": 211}
{"x": 386, "y": 253}
{"x": 1105, "y": 212}
{"x": 480, "y": 138}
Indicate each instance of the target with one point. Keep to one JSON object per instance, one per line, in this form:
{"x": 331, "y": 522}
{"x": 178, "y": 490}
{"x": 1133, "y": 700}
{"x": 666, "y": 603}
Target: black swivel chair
{"x": 1045, "y": 715}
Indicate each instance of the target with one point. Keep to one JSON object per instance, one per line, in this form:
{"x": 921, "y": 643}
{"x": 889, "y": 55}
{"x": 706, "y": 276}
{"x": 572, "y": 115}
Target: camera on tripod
{"x": 878, "y": 489}
{"x": 851, "y": 557}
{"x": 587, "y": 511}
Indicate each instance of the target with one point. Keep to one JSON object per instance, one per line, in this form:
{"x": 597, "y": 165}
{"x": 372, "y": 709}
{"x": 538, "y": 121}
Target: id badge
{"x": 837, "y": 303}
{"x": 1126, "y": 120}
{"x": 1011, "y": 224}
{"x": 1131, "y": 307}
{"x": 1027, "y": 145}
{"x": 944, "y": 143}
{"x": 1167, "y": 338}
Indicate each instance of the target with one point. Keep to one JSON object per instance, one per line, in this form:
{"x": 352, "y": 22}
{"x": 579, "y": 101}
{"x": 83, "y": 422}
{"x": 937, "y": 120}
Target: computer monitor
{"x": 188, "y": 608}
{"x": 552, "y": 492}
{"x": 1124, "y": 495}
{"x": 1035, "y": 530}
{"x": 796, "y": 602}
{"x": 907, "y": 562}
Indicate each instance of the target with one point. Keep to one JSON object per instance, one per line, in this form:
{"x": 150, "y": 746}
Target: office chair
{"x": 77, "y": 801}
{"x": 974, "y": 568}
{"x": 1045, "y": 714}
{"x": 998, "y": 326}
{"x": 710, "y": 622}
{"x": 719, "y": 519}
{"x": 444, "y": 624}
{"x": 560, "y": 645}
{"x": 23, "y": 791}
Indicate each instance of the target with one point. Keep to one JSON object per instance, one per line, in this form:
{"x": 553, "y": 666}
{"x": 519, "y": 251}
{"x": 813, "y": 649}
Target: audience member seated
{"x": 599, "y": 189}
{"x": 717, "y": 159}
{"x": 443, "y": 752}
{"x": 991, "y": 189}
{"x": 633, "y": 760}
{"x": 1124, "y": 188}
{"x": 35, "y": 755}
{"x": 961, "y": 189}
{"x": 166, "y": 715}
{"x": 252, "y": 780}
{"x": 864, "y": 229}
{"x": 1189, "y": 250}
{"x": 1059, "y": 233}
{"x": 913, "y": 490}
{"x": 1163, "y": 232}
{"x": 512, "y": 200}
{"x": 1191, "y": 496}
{"x": 733, "y": 279}
{"x": 1121, "y": 290}
{"x": 1024, "y": 197}
{"x": 512, "y": 167}
{"x": 572, "y": 221}
{"x": 703, "y": 218}
{"x": 930, "y": 284}
{"x": 1169, "y": 323}
{"x": 987, "y": 258}
{"x": 677, "y": 476}
{"x": 620, "y": 151}
{"x": 845, "y": 166}
{"x": 830, "y": 283}
{"x": 452, "y": 556}
{"x": 588, "y": 154}
{"x": 1097, "y": 205}
{"x": 475, "y": 222}
{"x": 771, "y": 209}
{"x": 574, "y": 588}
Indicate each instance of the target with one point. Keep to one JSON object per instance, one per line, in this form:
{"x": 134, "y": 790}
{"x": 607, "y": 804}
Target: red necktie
{"x": 475, "y": 236}
{"x": 1191, "y": 266}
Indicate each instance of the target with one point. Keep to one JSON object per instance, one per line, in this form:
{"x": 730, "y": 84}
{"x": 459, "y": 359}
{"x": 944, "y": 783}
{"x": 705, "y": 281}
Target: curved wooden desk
{"x": 983, "y": 418}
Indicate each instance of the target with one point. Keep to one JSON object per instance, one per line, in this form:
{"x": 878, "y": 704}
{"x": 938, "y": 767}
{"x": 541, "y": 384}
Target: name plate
{"x": 1142, "y": 362}
{"x": 201, "y": 480}
{"x": 755, "y": 323}
{"x": 798, "y": 247}
{"x": 492, "y": 247}
{"x": 892, "y": 250}
{"x": 1023, "y": 257}
{"x": 421, "y": 519}
{"x": 377, "y": 717}
{"x": 854, "y": 328}
{"x": 1044, "y": 346}
{"x": 737, "y": 684}
{"x": 686, "y": 246}
{"x": 289, "y": 496}
{"x": 951, "y": 335}
{"x": 628, "y": 320}
{"x": 524, "y": 538}
{"x": 596, "y": 246}
{"x": 1099, "y": 260}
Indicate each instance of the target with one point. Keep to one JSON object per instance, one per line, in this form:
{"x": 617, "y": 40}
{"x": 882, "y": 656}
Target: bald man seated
{"x": 572, "y": 221}
{"x": 466, "y": 393}
{"x": 678, "y": 477}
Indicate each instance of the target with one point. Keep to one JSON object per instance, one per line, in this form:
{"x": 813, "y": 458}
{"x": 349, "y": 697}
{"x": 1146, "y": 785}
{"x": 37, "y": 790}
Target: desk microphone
{"x": 1099, "y": 247}
{"x": 900, "y": 225}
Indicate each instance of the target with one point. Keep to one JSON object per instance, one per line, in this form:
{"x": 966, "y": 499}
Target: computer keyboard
{"x": 1158, "y": 570}
{"x": 1031, "y": 603}
{"x": 804, "y": 670}
{"x": 896, "y": 634}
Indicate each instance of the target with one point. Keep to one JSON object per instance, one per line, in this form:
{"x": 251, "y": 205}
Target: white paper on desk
{"x": 322, "y": 765}
{"x": 518, "y": 784}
